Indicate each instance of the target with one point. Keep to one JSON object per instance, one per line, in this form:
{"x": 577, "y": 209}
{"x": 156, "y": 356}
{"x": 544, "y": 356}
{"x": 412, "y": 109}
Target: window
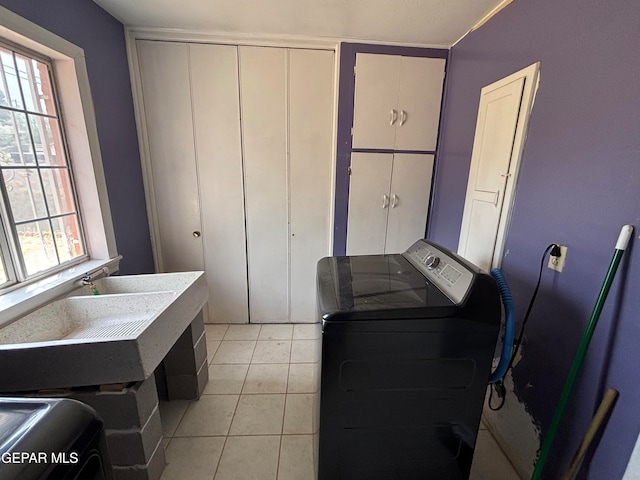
{"x": 38, "y": 203}
{"x": 45, "y": 246}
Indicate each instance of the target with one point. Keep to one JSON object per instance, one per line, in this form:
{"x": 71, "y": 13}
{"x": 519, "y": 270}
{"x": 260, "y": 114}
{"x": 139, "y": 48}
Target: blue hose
{"x": 509, "y": 328}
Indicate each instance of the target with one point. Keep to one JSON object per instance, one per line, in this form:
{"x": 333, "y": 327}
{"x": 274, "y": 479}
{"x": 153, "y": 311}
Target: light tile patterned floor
{"x": 257, "y": 418}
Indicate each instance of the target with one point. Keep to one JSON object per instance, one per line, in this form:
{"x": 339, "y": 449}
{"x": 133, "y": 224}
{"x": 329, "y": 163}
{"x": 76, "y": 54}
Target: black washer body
{"x": 404, "y": 369}
{"x": 63, "y": 438}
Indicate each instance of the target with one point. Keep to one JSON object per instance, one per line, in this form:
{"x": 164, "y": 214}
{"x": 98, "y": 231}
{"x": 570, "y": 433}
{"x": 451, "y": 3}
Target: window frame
{"x": 77, "y": 114}
{"x": 18, "y": 271}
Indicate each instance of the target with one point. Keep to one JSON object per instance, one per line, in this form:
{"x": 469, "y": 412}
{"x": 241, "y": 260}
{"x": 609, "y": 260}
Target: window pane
{"x": 47, "y": 139}
{"x": 9, "y": 80}
{"x": 36, "y": 86}
{"x": 57, "y": 187}
{"x": 36, "y": 243}
{"x": 25, "y": 193}
{"x": 15, "y": 142}
{"x": 68, "y": 242}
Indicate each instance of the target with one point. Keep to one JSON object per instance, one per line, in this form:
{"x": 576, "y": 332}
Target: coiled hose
{"x": 509, "y": 328}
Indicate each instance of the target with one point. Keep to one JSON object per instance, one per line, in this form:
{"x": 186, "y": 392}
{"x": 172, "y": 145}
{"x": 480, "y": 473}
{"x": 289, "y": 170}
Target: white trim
{"x": 484, "y": 20}
{"x": 153, "y": 34}
{"x": 288, "y": 41}
{"x": 143, "y": 145}
{"x": 531, "y": 75}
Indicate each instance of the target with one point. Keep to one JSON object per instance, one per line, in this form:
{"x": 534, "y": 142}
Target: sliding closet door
{"x": 263, "y": 88}
{"x": 310, "y": 147}
{"x": 164, "y": 69}
{"x": 216, "y": 118}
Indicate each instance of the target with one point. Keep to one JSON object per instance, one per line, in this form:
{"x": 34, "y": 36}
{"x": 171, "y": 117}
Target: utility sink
{"x": 118, "y": 336}
{"x": 158, "y": 282}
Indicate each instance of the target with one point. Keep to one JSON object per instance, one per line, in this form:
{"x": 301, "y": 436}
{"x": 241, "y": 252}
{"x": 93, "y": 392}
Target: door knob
{"x": 196, "y": 234}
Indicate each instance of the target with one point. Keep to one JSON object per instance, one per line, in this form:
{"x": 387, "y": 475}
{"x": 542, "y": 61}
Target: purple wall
{"x": 579, "y": 183}
{"x": 85, "y": 24}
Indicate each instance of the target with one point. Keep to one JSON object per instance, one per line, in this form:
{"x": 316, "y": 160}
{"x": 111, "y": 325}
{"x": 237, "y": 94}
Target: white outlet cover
{"x": 557, "y": 263}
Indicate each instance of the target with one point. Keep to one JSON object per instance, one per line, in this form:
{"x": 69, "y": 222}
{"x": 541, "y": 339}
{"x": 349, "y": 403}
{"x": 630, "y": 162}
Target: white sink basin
{"x": 100, "y": 339}
{"x": 158, "y": 282}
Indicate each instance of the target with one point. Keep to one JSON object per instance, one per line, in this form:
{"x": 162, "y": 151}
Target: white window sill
{"x": 23, "y": 300}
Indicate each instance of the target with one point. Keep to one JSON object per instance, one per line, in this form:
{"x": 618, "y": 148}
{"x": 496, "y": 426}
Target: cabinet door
{"x": 216, "y": 117}
{"x": 420, "y": 96}
{"x": 164, "y": 69}
{"x": 375, "y": 112}
{"x": 311, "y": 79}
{"x": 264, "y": 124}
{"x": 409, "y": 200}
{"x": 368, "y": 202}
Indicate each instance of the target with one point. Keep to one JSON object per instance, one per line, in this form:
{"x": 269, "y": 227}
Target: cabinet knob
{"x": 394, "y": 200}
{"x": 196, "y": 234}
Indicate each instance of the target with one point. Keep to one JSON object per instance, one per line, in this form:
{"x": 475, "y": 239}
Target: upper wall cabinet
{"x": 397, "y": 102}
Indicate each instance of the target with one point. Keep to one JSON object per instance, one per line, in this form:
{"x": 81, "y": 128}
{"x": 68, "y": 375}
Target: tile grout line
{"x": 284, "y": 409}
{"x": 226, "y": 437}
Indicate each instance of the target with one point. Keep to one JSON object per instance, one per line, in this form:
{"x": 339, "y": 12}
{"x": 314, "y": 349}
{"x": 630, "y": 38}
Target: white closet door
{"x": 216, "y": 116}
{"x": 369, "y": 201}
{"x": 409, "y": 202}
{"x": 264, "y": 123}
{"x": 311, "y": 81}
{"x": 421, "y": 82}
{"x": 164, "y": 69}
{"x": 376, "y": 101}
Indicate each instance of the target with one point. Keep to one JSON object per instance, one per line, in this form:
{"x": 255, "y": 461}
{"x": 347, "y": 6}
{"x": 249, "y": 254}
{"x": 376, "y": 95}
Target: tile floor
{"x": 258, "y": 414}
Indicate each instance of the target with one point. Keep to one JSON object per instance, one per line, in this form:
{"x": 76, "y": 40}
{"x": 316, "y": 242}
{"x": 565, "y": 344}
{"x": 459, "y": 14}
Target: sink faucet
{"x": 86, "y": 280}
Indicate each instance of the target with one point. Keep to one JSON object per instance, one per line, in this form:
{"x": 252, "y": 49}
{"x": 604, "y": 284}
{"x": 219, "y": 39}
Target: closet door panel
{"x": 264, "y": 123}
{"x": 409, "y": 204}
{"x": 376, "y": 100}
{"x": 216, "y": 116}
{"x": 368, "y": 202}
{"x": 311, "y": 79}
{"x": 164, "y": 69}
{"x": 420, "y": 95}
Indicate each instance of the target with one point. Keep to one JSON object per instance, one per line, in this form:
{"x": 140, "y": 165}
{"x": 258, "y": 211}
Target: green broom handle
{"x": 623, "y": 240}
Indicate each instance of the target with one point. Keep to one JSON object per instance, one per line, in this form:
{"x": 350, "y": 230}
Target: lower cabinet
{"x": 388, "y": 201}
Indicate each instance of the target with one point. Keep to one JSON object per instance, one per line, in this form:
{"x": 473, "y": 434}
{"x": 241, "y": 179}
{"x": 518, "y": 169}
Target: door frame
{"x": 531, "y": 74}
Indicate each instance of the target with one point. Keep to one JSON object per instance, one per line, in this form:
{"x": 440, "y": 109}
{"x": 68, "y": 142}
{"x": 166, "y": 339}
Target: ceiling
{"x": 421, "y": 22}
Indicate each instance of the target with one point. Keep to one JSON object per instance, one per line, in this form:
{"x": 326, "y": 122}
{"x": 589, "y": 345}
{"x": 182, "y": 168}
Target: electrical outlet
{"x": 557, "y": 263}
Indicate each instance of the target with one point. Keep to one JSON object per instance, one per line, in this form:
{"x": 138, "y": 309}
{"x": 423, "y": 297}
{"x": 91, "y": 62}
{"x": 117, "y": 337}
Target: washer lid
{"x": 364, "y": 285}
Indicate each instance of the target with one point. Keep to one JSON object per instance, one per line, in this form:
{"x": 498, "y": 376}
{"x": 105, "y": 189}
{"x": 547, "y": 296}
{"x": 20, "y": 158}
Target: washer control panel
{"x": 441, "y": 268}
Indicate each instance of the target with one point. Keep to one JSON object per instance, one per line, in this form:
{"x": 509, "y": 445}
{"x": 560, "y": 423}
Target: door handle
{"x": 393, "y": 117}
{"x": 394, "y": 200}
{"x": 495, "y": 199}
{"x": 385, "y": 201}
{"x": 403, "y": 117}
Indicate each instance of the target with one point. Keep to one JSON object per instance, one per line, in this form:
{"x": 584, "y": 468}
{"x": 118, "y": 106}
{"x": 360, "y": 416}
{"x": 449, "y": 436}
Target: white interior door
{"x": 375, "y": 108}
{"x": 263, "y": 84}
{"x": 164, "y": 69}
{"x": 409, "y": 200}
{"x": 420, "y": 96}
{"x": 497, "y": 147}
{"x": 369, "y": 202}
{"x": 311, "y": 78}
{"x": 216, "y": 117}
